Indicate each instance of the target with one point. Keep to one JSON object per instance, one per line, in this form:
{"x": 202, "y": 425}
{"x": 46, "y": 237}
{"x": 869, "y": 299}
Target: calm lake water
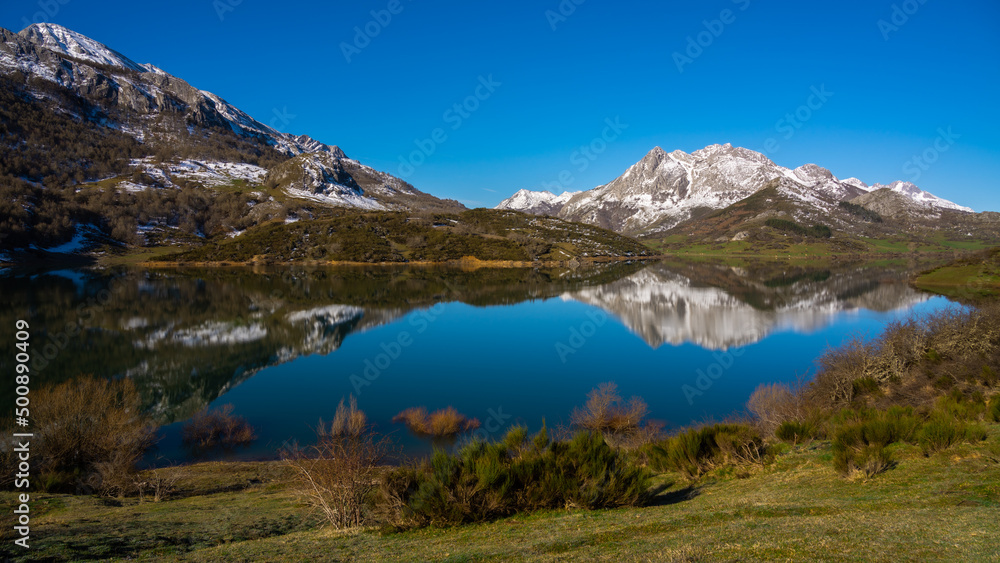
{"x": 508, "y": 347}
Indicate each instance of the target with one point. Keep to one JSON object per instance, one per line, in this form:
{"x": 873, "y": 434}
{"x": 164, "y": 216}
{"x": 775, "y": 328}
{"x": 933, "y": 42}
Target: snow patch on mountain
{"x": 920, "y": 196}
{"x": 664, "y": 189}
{"x": 57, "y": 38}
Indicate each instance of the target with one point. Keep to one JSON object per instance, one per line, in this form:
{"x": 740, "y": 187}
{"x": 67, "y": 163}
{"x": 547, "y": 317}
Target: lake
{"x": 505, "y": 346}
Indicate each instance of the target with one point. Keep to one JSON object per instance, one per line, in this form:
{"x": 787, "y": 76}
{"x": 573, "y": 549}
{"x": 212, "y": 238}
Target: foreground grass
{"x": 934, "y": 508}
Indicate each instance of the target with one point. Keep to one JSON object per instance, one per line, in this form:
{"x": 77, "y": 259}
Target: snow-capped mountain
{"x": 538, "y": 203}
{"x": 95, "y": 71}
{"x": 664, "y": 189}
{"x": 921, "y": 197}
{"x": 339, "y": 181}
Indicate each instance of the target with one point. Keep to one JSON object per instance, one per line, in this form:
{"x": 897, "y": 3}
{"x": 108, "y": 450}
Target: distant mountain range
{"x": 97, "y": 149}
{"x": 664, "y": 190}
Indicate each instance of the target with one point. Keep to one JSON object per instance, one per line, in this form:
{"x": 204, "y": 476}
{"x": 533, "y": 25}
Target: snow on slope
{"x": 920, "y": 196}
{"x": 73, "y": 44}
{"x": 664, "y": 189}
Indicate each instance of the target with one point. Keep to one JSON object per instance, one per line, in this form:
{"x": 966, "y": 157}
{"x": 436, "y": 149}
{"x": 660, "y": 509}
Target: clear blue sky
{"x": 938, "y": 69}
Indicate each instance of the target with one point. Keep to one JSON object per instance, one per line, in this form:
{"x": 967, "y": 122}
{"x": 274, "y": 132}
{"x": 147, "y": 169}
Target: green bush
{"x": 860, "y": 440}
{"x": 994, "y": 412}
{"x": 696, "y": 451}
{"x": 490, "y": 480}
{"x": 868, "y": 460}
{"x": 794, "y": 432}
{"x": 866, "y": 386}
{"x": 958, "y": 406}
{"x": 942, "y": 432}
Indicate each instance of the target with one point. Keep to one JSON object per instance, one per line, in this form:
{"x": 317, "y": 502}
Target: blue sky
{"x": 900, "y": 79}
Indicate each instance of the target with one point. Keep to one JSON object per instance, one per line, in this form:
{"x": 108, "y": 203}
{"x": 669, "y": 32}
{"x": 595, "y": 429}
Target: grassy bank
{"x": 936, "y": 508}
{"x": 970, "y": 277}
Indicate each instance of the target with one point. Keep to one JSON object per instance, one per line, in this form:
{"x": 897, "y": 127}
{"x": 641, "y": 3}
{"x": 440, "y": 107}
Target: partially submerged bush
{"x": 217, "y": 428}
{"x": 443, "y": 423}
{"x": 348, "y": 420}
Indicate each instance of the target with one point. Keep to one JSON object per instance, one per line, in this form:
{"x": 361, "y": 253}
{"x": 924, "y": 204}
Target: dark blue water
{"x": 506, "y": 347}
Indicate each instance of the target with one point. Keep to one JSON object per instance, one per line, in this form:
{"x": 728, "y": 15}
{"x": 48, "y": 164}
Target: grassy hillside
{"x": 971, "y": 277}
{"x": 770, "y": 222}
{"x": 485, "y": 234}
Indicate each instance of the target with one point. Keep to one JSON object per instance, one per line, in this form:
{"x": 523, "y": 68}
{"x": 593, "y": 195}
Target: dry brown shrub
{"x": 620, "y": 422}
{"x": 442, "y": 423}
{"x": 773, "y": 404}
{"x": 217, "y": 428}
{"x": 89, "y": 434}
{"x": 339, "y": 475}
{"x": 839, "y": 368}
{"x": 348, "y": 420}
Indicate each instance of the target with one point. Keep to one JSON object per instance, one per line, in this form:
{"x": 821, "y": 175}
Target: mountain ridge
{"x": 664, "y": 189}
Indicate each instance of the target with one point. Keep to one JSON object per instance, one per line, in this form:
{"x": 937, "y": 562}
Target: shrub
{"x": 866, "y": 386}
{"x": 338, "y": 476}
{"x": 817, "y": 231}
{"x": 348, "y": 420}
{"x": 695, "y": 451}
{"x": 939, "y": 434}
{"x": 956, "y": 405}
{"x": 606, "y": 411}
{"x": 217, "y": 428}
{"x": 857, "y": 452}
{"x": 489, "y": 480}
{"x": 994, "y": 411}
{"x": 89, "y": 434}
{"x": 794, "y": 432}
{"x": 772, "y": 405}
{"x": 443, "y": 423}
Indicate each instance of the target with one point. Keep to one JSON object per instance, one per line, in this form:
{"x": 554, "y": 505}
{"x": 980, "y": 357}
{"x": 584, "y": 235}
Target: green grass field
{"x": 938, "y": 508}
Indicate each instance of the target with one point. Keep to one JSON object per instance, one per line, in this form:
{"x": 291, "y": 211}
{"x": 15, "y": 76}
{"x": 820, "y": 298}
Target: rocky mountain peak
{"x": 70, "y": 43}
